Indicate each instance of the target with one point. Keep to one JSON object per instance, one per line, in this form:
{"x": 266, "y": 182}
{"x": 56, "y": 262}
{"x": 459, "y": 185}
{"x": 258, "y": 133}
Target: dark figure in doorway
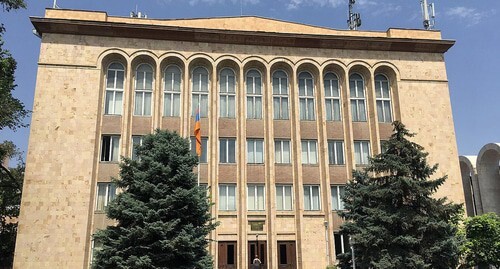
{"x": 256, "y": 263}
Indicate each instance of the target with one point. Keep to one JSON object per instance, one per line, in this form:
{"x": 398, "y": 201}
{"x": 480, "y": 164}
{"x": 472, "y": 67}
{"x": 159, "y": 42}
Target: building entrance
{"x": 227, "y": 255}
{"x": 258, "y": 248}
{"x": 286, "y": 255}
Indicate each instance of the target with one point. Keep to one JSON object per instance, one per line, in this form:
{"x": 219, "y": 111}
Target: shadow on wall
{"x": 481, "y": 180}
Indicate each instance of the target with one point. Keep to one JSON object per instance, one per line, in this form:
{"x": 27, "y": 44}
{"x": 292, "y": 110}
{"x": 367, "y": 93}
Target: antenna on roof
{"x": 137, "y": 14}
{"x": 429, "y": 14}
{"x": 54, "y": 5}
{"x": 354, "y": 20}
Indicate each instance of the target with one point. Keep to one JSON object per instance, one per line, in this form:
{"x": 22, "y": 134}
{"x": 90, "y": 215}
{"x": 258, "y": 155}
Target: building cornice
{"x": 175, "y": 33}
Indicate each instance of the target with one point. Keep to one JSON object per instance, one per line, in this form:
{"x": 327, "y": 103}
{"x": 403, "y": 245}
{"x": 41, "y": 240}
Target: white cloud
{"x": 471, "y": 15}
{"x": 294, "y": 4}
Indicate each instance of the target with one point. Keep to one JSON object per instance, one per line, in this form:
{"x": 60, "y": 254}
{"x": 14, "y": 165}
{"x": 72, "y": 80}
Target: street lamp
{"x": 257, "y": 246}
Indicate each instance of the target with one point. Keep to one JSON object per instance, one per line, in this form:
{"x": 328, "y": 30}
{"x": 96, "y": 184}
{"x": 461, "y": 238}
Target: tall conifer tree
{"x": 391, "y": 215}
{"x": 162, "y": 216}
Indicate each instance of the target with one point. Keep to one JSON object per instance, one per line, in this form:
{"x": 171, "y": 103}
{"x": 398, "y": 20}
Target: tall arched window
{"x": 115, "y": 76}
{"x": 280, "y": 95}
{"x": 358, "y": 102}
{"x": 383, "y": 97}
{"x": 143, "y": 90}
{"x": 254, "y": 94}
{"x": 172, "y": 91}
{"x": 332, "y": 97}
{"x": 200, "y": 91}
{"x": 306, "y": 96}
{"x": 227, "y": 91}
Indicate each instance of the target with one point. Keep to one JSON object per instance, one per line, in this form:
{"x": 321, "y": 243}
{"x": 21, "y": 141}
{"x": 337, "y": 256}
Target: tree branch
{"x": 9, "y": 174}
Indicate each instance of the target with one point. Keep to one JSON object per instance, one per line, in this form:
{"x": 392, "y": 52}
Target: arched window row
{"x": 172, "y": 84}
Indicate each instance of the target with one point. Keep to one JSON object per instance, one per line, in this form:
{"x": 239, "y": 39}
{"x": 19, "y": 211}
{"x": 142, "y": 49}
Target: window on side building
{"x": 311, "y": 198}
{"x": 255, "y": 151}
{"x": 256, "y": 197}
{"x": 341, "y": 243}
{"x": 280, "y": 95}
{"x": 143, "y": 90}
{"x": 199, "y": 90}
{"x": 136, "y": 141}
{"x": 106, "y": 192}
{"x": 358, "y": 102}
{"x": 306, "y": 96}
{"x": 227, "y": 197}
{"x": 227, "y": 91}
{"x": 284, "y": 197}
{"x": 337, "y": 195}
{"x": 282, "y": 151}
{"x": 115, "y": 77}
{"x": 383, "y": 97}
{"x": 204, "y": 148}
{"x": 172, "y": 91}
{"x": 336, "y": 152}
{"x": 361, "y": 152}
{"x": 110, "y": 148}
{"x": 332, "y": 97}
{"x": 227, "y": 150}
{"x": 309, "y": 152}
{"x": 254, "y": 94}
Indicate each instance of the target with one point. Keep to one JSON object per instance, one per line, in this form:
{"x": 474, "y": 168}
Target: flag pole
{"x": 199, "y": 154}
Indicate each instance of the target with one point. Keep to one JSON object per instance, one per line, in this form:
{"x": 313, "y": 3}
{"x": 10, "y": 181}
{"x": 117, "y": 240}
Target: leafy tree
{"x": 481, "y": 245}
{"x": 13, "y": 111}
{"x": 163, "y": 216}
{"x": 7, "y": 5}
{"x": 391, "y": 216}
{"x": 11, "y": 184}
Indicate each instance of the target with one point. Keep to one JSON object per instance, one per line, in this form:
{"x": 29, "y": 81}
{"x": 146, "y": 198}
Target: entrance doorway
{"x": 258, "y": 248}
{"x": 286, "y": 255}
{"x": 227, "y": 255}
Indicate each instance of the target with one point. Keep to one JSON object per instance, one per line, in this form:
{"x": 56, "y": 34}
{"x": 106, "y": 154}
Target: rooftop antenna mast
{"x": 429, "y": 14}
{"x": 354, "y": 20}
{"x": 138, "y": 14}
{"x": 54, "y": 5}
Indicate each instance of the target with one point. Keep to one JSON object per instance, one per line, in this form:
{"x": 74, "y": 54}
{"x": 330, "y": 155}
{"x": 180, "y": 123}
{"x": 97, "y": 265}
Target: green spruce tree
{"x": 162, "y": 216}
{"x": 391, "y": 215}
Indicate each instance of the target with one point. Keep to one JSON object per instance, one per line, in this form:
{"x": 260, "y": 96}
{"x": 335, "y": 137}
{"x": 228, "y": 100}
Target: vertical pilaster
{"x": 213, "y": 159}
{"x": 157, "y": 98}
{"x": 324, "y": 166}
{"x": 372, "y": 114}
{"x": 267, "y": 106}
{"x": 241, "y": 168}
{"x": 297, "y": 165}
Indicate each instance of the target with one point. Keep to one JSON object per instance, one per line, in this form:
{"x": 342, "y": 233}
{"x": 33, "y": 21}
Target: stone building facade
{"x": 287, "y": 111}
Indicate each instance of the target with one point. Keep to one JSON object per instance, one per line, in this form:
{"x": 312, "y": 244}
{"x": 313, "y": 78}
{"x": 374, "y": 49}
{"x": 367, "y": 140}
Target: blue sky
{"x": 472, "y": 64}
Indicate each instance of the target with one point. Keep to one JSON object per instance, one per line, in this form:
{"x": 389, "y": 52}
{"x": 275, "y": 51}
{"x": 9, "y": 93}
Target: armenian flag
{"x": 197, "y": 132}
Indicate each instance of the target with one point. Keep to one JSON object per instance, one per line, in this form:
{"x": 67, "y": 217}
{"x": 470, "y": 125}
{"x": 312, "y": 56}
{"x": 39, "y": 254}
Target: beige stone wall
{"x": 54, "y": 215}
{"x": 432, "y": 120}
{"x": 58, "y": 204}
{"x": 243, "y": 23}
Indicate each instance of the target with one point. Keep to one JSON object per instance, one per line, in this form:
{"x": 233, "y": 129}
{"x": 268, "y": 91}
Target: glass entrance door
{"x": 286, "y": 255}
{"x": 227, "y": 255}
{"x": 258, "y": 248}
